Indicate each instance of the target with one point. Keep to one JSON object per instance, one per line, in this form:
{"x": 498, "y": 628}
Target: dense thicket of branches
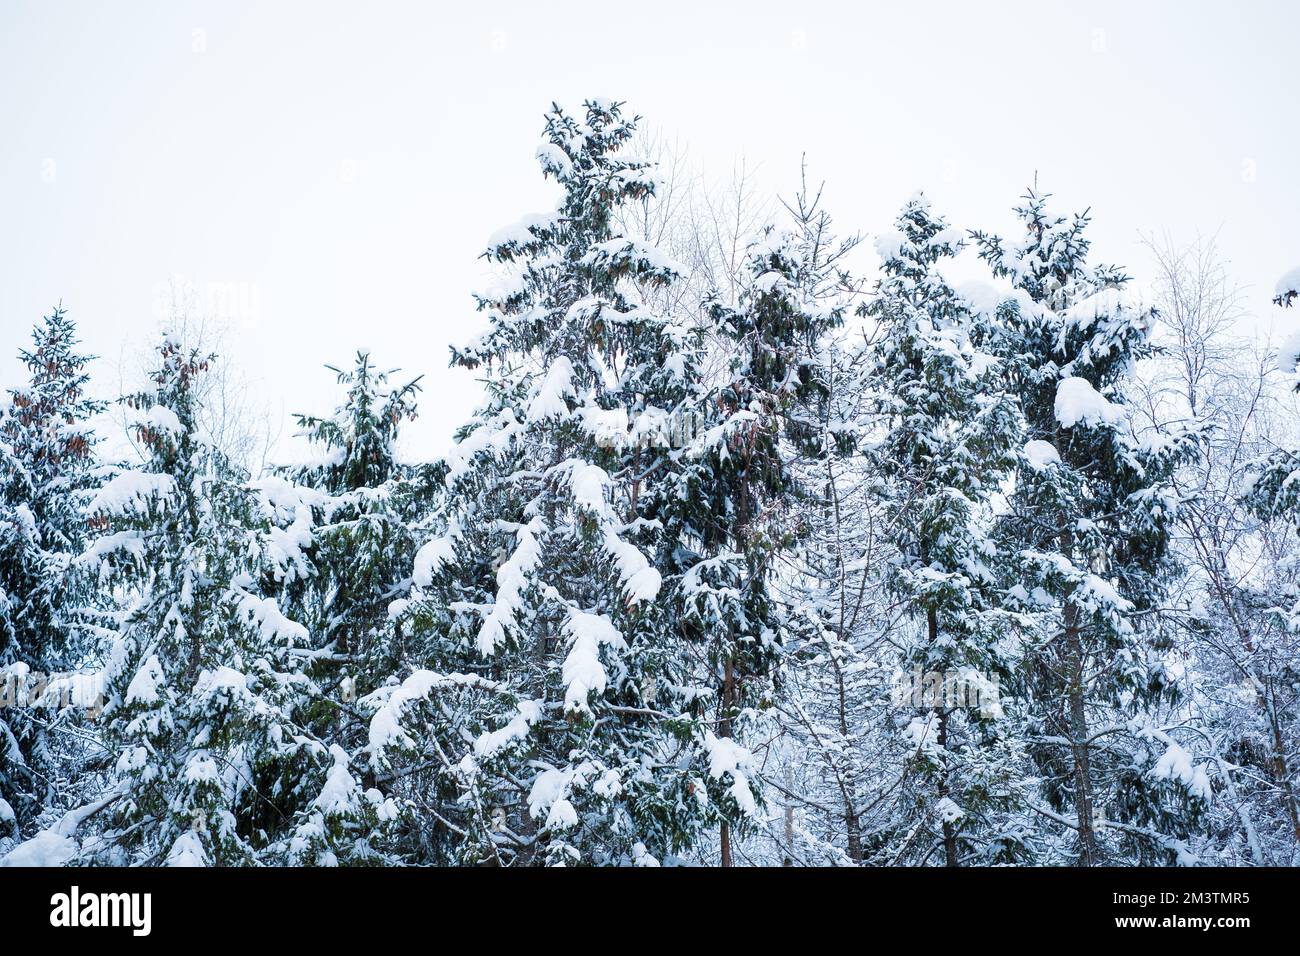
{"x": 751, "y": 555}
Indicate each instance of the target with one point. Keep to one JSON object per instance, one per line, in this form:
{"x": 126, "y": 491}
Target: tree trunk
{"x": 724, "y": 730}
{"x": 1281, "y": 770}
{"x": 1078, "y": 722}
{"x": 789, "y": 835}
{"x": 949, "y": 831}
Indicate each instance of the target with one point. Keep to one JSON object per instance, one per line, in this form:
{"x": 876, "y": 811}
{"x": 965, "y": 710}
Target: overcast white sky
{"x": 340, "y": 166}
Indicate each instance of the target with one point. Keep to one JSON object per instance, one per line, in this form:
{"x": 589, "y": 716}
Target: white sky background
{"x": 341, "y": 166}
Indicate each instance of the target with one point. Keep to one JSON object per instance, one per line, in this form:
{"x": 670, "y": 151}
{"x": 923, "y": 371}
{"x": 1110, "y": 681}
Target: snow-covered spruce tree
{"x": 817, "y": 765}
{"x": 362, "y": 541}
{"x": 47, "y": 448}
{"x": 553, "y": 643}
{"x": 742, "y": 487}
{"x": 341, "y": 531}
{"x": 950, "y": 440}
{"x": 1089, "y": 525}
{"x": 199, "y": 686}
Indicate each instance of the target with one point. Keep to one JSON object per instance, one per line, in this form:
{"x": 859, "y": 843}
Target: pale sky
{"x": 332, "y": 171}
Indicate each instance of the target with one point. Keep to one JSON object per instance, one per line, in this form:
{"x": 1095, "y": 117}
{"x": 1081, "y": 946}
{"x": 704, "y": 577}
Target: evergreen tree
{"x": 767, "y": 412}
{"x": 827, "y": 697}
{"x": 548, "y": 634}
{"x": 1089, "y": 524}
{"x": 342, "y": 532}
{"x": 47, "y": 450}
{"x": 199, "y": 678}
{"x": 950, "y": 440}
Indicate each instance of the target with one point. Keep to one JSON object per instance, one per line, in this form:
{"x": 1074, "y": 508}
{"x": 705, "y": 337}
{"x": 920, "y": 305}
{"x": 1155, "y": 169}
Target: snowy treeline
{"x": 744, "y": 559}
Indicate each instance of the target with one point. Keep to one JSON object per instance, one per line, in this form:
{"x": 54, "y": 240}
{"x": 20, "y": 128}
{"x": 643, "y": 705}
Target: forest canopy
{"x": 749, "y": 556}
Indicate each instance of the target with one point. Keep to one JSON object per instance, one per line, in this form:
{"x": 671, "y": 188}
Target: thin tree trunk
{"x": 851, "y": 826}
{"x": 789, "y": 825}
{"x": 1078, "y": 722}
{"x": 1281, "y": 770}
{"x": 949, "y": 831}
{"x": 724, "y": 730}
